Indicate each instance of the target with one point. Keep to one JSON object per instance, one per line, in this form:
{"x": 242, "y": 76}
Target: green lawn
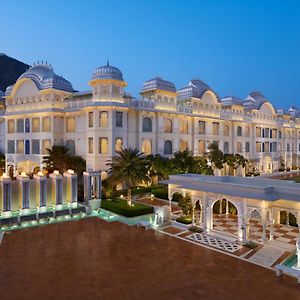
{"x": 120, "y": 207}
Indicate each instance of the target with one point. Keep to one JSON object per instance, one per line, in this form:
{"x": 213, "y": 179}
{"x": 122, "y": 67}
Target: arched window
{"x": 103, "y": 145}
{"x": 239, "y": 131}
{"x": 183, "y": 145}
{"x": 247, "y": 147}
{"x": 147, "y": 124}
{"x": 226, "y": 130}
{"x": 35, "y": 146}
{"x": 119, "y": 144}
{"x": 247, "y": 131}
{"x": 103, "y": 119}
{"x": 71, "y": 146}
{"x": 168, "y": 147}
{"x": 70, "y": 124}
{"x": 168, "y": 125}
{"x": 201, "y": 147}
{"x": 146, "y": 147}
{"x": 201, "y": 127}
{"x": 184, "y": 126}
{"x": 20, "y": 125}
{"x": 46, "y": 124}
{"x": 239, "y": 147}
{"x": 27, "y": 147}
{"x": 226, "y": 147}
{"x": 216, "y": 126}
{"x": 27, "y": 125}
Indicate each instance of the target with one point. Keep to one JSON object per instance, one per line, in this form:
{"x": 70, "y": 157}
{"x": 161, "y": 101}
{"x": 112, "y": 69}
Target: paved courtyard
{"x": 92, "y": 259}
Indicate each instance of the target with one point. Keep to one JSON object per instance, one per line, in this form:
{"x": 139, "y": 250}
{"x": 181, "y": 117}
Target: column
{"x": 57, "y": 198}
{"x": 272, "y": 226}
{"x": 5, "y": 182}
{"x": 206, "y": 214}
{"x": 72, "y": 189}
{"x": 227, "y": 207}
{"x": 41, "y": 191}
{"x": 220, "y": 208}
{"x": 24, "y": 192}
{"x": 87, "y": 186}
{"x": 287, "y": 218}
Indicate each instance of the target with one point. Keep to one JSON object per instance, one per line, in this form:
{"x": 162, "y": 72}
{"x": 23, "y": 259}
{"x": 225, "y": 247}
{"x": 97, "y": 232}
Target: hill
{"x": 10, "y": 70}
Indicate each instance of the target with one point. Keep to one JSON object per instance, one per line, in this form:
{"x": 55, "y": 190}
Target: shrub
{"x": 160, "y": 193}
{"x": 196, "y": 229}
{"x": 120, "y": 207}
{"x": 177, "y": 197}
{"x": 184, "y": 220}
{"x": 251, "y": 245}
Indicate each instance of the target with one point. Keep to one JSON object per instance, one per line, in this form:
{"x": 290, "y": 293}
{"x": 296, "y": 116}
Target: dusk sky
{"x": 234, "y": 46}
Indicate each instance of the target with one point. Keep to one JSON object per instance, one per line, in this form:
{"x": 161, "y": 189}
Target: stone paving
{"x": 94, "y": 259}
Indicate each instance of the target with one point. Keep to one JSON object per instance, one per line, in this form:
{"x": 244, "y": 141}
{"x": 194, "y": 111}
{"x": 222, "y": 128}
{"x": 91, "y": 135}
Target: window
{"x": 35, "y": 124}
{"x": 288, "y": 147}
{"x": 91, "y": 145}
{"x": 11, "y": 126}
{"x": 247, "y": 147}
{"x": 119, "y": 144}
{"x": 168, "y": 147}
{"x": 46, "y": 124}
{"x": 119, "y": 119}
{"x": 91, "y": 119}
{"x": 279, "y": 134}
{"x": 201, "y": 147}
{"x": 27, "y": 125}
{"x": 239, "y": 147}
{"x": 70, "y": 124}
{"x": 263, "y": 147}
{"x": 20, "y": 147}
{"x": 168, "y": 125}
{"x": 258, "y": 132}
{"x": 267, "y": 132}
{"x": 239, "y": 131}
{"x": 35, "y": 145}
{"x": 11, "y": 147}
{"x": 20, "y": 125}
{"x": 46, "y": 145}
{"x": 226, "y": 130}
{"x": 226, "y": 147}
{"x": 71, "y": 146}
{"x": 184, "y": 126}
{"x": 216, "y": 126}
{"x": 183, "y": 145}
{"x": 103, "y": 145}
{"x": 247, "y": 133}
{"x": 146, "y": 147}
{"x": 201, "y": 125}
{"x": 147, "y": 124}
{"x": 27, "y": 147}
{"x": 257, "y": 147}
{"x": 103, "y": 119}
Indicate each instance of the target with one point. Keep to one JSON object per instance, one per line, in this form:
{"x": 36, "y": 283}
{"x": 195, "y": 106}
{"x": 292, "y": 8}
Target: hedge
{"x": 160, "y": 193}
{"x": 184, "y": 220}
{"x": 120, "y": 207}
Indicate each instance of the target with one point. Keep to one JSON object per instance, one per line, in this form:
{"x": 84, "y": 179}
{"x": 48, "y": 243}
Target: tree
{"x": 2, "y": 163}
{"x": 129, "y": 167}
{"x": 202, "y": 167}
{"x": 159, "y": 166}
{"x": 186, "y": 205}
{"x": 183, "y": 162}
{"x": 215, "y": 155}
{"x": 57, "y": 159}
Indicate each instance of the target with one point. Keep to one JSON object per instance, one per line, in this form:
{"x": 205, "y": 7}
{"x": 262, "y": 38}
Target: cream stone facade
{"x": 42, "y": 109}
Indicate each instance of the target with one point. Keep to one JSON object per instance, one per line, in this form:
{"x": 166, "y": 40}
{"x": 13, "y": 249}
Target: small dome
{"x": 107, "y": 72}
{"x": 44, "y": 77}
{"x": 158, "y": 83}
{"x": 231, "y": 100}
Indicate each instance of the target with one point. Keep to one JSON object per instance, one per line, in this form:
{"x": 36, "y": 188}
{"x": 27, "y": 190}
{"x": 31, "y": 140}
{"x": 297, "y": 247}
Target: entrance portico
{"x": 259, "y": 203}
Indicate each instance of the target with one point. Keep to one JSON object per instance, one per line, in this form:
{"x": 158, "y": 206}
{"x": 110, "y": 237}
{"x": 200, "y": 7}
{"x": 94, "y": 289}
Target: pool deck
{"x": 94, "y": 259}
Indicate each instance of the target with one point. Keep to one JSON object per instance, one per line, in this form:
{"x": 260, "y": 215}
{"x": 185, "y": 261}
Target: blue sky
{"x": 234, "y": 46}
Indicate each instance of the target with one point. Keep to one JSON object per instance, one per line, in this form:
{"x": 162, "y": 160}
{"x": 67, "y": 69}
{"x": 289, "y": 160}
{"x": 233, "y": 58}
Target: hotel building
{"x": 41, "y": 109}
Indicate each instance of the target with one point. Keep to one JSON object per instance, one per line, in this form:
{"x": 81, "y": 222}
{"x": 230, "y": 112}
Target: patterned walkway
{"x": 214, "y": 242}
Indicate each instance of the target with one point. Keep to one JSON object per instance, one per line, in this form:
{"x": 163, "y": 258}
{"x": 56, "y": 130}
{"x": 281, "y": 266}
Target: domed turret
{"x": 107, "y": 72}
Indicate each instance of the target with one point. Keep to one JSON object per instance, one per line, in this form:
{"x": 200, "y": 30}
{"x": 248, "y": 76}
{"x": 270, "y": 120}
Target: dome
{"x": 231, "y": 100}
{"x": 196, "y": 88}
{"x": 255, "y": 100}
{"x": 107, "y": 72}
{"x": 158, "y": 83}
{"x": 44, "y": 77}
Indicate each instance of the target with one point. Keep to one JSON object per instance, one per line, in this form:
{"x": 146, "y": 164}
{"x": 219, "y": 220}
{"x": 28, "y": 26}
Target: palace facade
{"x": 41, "y": 109}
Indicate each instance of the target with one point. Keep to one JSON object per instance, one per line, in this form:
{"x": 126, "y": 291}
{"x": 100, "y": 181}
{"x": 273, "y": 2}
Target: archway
{"x": 197, "y": 213}
{"x": 288, "y": 219}
{"x": 225, "y": 217}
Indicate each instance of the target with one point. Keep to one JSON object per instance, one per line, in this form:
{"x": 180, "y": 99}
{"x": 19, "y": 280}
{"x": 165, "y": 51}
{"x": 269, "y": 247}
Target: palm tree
{"x": 159, "y": 167}
{"x": 129, "y": 167}
{"x": 57, "y": 159}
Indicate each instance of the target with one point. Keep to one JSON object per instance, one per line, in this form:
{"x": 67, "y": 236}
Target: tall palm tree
{"x": 129, "y": 167}
{"x": 57, "y": 158}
